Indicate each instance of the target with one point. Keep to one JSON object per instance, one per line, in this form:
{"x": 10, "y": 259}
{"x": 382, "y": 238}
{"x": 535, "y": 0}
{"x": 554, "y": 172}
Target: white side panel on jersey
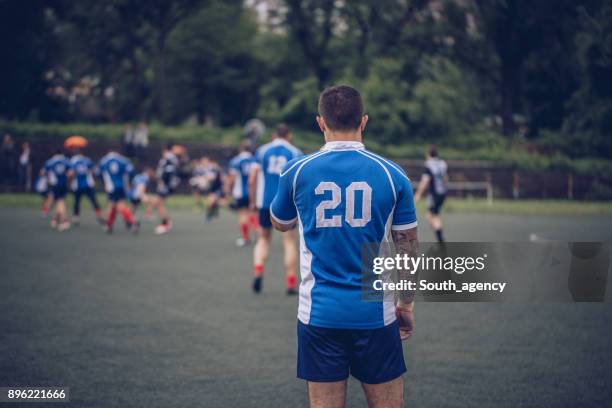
{"x": 260, "y": 188}
{"x": 385, "y": 250}
{"x": 108, "y": 184}
{"x": 237, "y": 190}
{"x": 308, "y": 279}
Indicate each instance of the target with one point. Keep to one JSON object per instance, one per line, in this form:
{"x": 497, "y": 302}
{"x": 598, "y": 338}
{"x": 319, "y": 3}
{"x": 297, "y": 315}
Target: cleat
{"x": 64, "y": 226}
{"x": 75, "y": 220}
{"x": 162, "y": 229}
{"x": 291, "y": 292}
{"x": 241, "y": 242}
{"x": 53, "y": 223}
{"x": 135, "y": 228}
{"x": 108, "y": 229}
{"x": 257, "y": 284}
{"x": 101, "y": 221}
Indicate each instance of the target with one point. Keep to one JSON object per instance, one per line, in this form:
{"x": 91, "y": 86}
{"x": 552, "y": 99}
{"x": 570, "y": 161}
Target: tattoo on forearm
{"x": 406, "y": 242}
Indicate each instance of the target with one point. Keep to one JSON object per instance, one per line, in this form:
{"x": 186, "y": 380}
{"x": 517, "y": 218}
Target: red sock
{"x": 244, "y": 230}
{"x": 98, "y": 213}
{"x": 112, "y": 213}
{"x": 45, "y": 207}
{"x": 291, "y": 281}
{"x": 253, "y": 221}
{"x": 258, "y": 270}
{"x": 127, "y": 215}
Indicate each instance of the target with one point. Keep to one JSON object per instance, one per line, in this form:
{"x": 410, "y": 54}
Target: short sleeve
{"x": 405, "y": 213}
{"x": 283, "y": 208}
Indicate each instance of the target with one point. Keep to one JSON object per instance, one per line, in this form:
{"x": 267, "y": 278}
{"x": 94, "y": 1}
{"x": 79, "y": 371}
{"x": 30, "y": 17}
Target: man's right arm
{"x": 406, "y": 242}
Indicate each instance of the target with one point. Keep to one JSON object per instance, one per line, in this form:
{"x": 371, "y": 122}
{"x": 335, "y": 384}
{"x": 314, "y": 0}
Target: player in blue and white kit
{"x": 138, "y": 191}
{"x": 263, "y": 184}
{"x": 83, "y": 184}
{"x": 56, "y": 169}
{"x": 116, "y": 172}
{"x": 341, "y": 198}
{"x": 237, "y": 186}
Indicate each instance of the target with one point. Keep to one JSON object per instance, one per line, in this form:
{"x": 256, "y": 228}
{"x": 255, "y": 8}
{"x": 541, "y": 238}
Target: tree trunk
{"x": 160, "y": 77}
{"x": 510, "y": 74}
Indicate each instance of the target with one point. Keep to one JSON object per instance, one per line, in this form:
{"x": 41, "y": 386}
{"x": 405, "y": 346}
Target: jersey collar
{"x": 343, "y": 145}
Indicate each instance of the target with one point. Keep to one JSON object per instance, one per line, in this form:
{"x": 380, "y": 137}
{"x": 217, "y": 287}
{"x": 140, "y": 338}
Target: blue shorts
{"x": 240, "y": 203}
{"x": 116, "y": 195}
{"x": 264, "y": 218}
{"x": 59, "y": 191}
{"x": 372, "y": 356}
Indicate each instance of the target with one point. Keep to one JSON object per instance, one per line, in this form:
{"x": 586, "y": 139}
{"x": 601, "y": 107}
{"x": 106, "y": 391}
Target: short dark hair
{"x": 341, "y": 107}
{"x": 169, "y": 146}
{"x": 282, "y": 130}
{"x": 432, "y": 151}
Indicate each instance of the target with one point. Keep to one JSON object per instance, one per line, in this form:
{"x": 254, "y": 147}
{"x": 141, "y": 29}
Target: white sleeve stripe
{"x": 401, "y": 227}
{"x": 391, "y": 164}
{"x": 300, "y": 161}
{"x": 303, "y": 162}
{"x": 281, "y": 221}
{"x": 386, "y": 171}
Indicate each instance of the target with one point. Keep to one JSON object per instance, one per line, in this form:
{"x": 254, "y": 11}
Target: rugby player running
{"x": 435, "y": 178}
{"x": 343, "y": 197}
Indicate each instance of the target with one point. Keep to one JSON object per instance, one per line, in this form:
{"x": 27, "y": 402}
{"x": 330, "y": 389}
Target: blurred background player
{"x": 237, "y": 187}
{"x": 263, "y": 185}
{"x": 214, "y": 195}
{"x": 56, "y": 169}
{"x": 199, "y": 182}
{"x": 116, "y": 171}
{"x": 83, "y": 184}
{"x": 436, "y": 178}
{"x": 41, "y": 186}
{"x": 138, "y": 191}
{"x": 167, "y": 181}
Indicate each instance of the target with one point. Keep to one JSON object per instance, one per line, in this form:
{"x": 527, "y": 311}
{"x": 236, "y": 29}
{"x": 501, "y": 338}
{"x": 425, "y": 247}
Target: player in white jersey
{"x": 342, "y": 198}
{"x": 434, "y": 179}
{"x": 263, "y": 184}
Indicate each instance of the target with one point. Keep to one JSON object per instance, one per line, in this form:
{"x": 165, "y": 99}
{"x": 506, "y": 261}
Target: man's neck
{"x": 343, "y": 136}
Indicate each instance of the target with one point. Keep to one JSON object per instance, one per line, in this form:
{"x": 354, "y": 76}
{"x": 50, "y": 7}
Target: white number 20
{"x": 336, "y": 220}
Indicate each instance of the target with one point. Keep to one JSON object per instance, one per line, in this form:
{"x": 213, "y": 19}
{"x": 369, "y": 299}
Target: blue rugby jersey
{"x": 56, "y": 170}
{"x": 342, "y": 197}
{"x": 116, "y": 171}
{"x": 137, "y": 181}
{"x": 83, "y": 169}
{"x": 240, "y": 166}
{"x": 271, "y": 158}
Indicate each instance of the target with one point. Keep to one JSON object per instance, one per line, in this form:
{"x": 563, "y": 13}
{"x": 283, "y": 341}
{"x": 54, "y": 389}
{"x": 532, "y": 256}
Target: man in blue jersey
{"x": 83, "y": 184}
{"x": 56, "y": 169}
{"x": 263, "y": 185}
{"x": 237, "y": 187}
{"x": 343, "y": 197}
{"x": 116, "y": 172}
{"x": 138, "y": 192}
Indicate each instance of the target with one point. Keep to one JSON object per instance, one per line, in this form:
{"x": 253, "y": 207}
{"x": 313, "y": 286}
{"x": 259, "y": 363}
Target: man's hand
{"x": 405, "y": 320}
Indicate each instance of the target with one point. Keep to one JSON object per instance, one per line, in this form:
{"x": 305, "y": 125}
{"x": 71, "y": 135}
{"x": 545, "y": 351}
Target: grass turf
{"x": 452, "y": 205}
{"x": 170, "y": 321}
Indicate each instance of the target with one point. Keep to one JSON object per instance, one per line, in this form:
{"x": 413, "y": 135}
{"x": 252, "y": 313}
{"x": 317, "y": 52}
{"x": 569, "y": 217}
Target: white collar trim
{"x": 343, "y": 145}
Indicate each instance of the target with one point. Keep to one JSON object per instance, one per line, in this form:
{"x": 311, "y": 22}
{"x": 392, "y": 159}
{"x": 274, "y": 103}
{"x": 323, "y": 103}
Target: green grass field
{"x": 453, "y": 205}
{"x": 170, "y": 321}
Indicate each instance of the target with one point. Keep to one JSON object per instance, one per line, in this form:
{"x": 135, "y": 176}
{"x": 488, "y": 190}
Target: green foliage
{"x": 455, "y": 73}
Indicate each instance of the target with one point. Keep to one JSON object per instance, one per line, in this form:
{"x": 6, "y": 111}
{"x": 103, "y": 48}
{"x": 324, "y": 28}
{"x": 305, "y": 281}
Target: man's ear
{"x": 321, "y": 123}
{"x": 364, "y": 121}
